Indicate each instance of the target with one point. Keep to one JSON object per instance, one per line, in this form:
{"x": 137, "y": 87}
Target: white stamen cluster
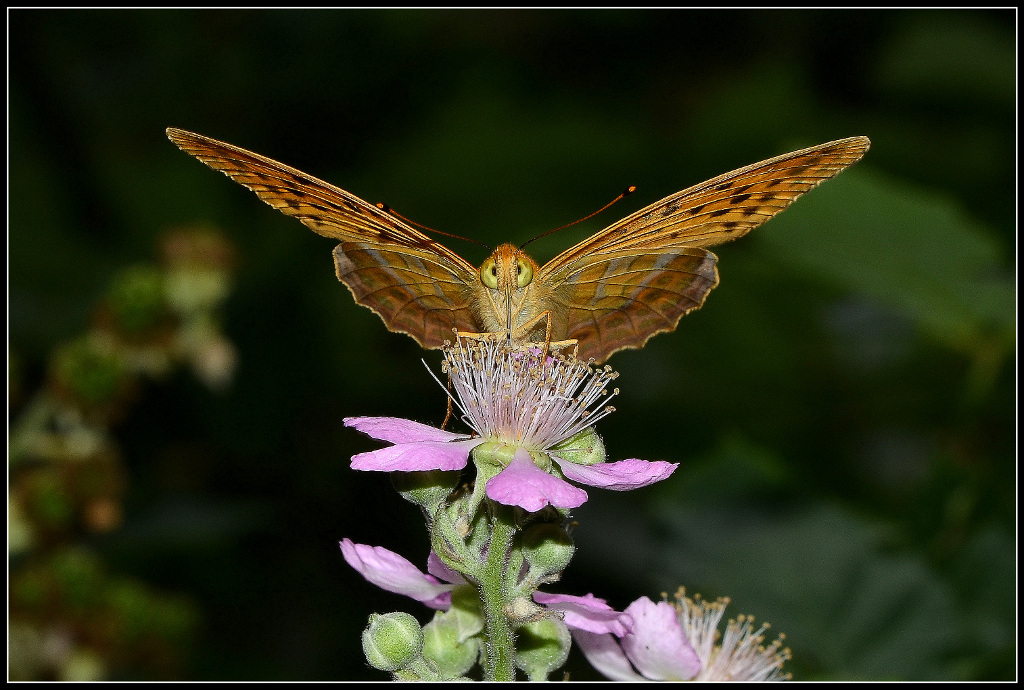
{"x": 741, "y": 655}
{"x": 516, "y": 395}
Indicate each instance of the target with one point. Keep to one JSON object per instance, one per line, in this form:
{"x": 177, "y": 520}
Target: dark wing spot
{"x": 719, "y": 212}
{"x": 724, "y": 185}
{"x": 697, "y": 209}
{"x": 739, "y": 199}
{"x": 750, "y": 210}
{"x": 670, "y": 209}
{"x": 730, "y": 226}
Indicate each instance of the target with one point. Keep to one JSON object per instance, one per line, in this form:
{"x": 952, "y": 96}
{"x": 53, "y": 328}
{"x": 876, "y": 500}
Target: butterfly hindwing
{"x": 410, "y": 290}
{"x": 622, "y": 299}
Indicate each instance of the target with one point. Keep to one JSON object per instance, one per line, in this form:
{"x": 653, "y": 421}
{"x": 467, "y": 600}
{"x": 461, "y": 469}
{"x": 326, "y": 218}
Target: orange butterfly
{"x": 614, "y": 290}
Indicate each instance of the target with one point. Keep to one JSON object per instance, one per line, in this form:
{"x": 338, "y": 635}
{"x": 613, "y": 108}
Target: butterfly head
{"x": 506, "y": 276}
{"x": 507, "y": 270}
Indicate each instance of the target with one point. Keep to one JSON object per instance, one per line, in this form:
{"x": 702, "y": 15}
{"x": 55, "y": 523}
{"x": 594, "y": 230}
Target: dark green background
{"x": 842, "y": 407}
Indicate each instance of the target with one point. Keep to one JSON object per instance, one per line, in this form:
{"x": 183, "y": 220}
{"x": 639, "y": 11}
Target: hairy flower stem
{"x": 500, "y": 649}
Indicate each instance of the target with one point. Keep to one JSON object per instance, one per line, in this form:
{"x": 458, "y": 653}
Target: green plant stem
{"x": 500, "y": 648}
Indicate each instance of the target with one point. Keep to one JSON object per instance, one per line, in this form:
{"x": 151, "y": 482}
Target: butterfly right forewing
{"x": 724, "y": 208}
{"x": 415, "y": 284}
{"x": 639, "y": 276}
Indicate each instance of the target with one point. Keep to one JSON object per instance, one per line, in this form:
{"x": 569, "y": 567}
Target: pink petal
{"x": 524, "y": 484}
{"x": 392, "y": 572}
{"x": 604, "y": 653}
{"x": 442, "y": 602}
{"x": 657, "y": 646}
{"x": 440, "y": 570}
{"x": 398, "y": 430}
{"x": 587, "y": 613}
{"x": 422, "y": 455}
{"x": 623, "y": 475}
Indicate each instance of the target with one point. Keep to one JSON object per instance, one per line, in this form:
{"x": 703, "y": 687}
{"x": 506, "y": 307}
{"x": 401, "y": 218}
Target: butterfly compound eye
{"x": 489, "y": 274}
{"x": 524, "y": 273}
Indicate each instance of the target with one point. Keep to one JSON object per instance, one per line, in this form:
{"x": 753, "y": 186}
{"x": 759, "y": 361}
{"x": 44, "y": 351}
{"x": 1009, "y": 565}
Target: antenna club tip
{"x": 629, "y": 190}
{"x": 382, "y": 206}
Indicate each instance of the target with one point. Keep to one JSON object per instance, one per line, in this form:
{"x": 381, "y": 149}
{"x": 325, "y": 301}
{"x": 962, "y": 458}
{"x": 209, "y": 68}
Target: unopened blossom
{"x": 523, "y": 404}
{"x": 394, "y": 573}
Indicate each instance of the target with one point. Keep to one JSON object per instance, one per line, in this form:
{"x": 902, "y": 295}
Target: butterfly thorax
{"x": 508, "y": 296}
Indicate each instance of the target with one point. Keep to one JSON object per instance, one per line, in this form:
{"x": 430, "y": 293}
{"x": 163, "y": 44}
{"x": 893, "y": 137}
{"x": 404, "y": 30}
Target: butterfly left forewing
{"x": 619, "y": 283}
{"x": 415, "y": 284}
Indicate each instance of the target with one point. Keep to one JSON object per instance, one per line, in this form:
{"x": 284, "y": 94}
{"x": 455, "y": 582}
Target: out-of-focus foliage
{"x": 70, "y": 619}
{"x": 843, "y": 406}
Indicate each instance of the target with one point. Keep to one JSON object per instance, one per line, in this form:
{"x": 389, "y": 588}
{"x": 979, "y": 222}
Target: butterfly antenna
{"x": 387, "y": 209}
{"x": 629, "y": 190}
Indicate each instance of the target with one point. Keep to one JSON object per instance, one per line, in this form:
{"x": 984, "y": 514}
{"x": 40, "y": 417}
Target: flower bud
{"x": 542, "y": 647}
{"x": 547, "y": 548}
{"x": 392, "y": 641}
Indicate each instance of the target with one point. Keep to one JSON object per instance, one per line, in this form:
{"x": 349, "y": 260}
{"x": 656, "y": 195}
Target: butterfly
{"x": 634, "y": 279}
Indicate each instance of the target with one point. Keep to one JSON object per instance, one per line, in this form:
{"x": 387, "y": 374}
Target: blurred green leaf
{"x": 909, "y": 248}
{"x": 136, "y": 299}
{"x": 951, "y": 57}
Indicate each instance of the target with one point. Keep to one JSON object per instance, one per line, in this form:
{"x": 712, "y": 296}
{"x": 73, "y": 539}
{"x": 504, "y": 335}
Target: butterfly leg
{"x": 486, "y": 335}
{"x": 521, "y": 335}
{"x": 448, "y": 413}
{"x": 523, "y": 331}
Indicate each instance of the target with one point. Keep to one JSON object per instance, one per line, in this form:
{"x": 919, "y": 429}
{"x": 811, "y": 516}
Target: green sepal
{"x": 450, "y": 645}
{"x": 583, "y": 448}
{"x": 428, "y": 489}
{"x": 467, "y": 611}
